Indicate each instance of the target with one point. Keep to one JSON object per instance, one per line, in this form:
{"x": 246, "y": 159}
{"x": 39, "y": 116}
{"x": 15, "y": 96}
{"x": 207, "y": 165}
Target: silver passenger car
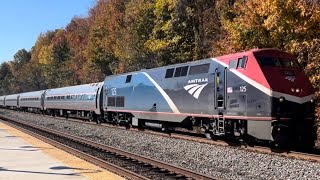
{"x": 82, "y": 100}
{"x": 32, "y": 101}
{"x": 12, "y": 101}
{"x": 2, "y": 98}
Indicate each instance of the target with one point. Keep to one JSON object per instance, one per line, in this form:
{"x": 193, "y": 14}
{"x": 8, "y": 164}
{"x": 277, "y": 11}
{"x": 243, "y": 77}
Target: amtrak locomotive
{"x": 260, "y": 94}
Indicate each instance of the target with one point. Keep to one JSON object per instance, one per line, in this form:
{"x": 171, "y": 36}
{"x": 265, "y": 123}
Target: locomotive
{"x": 261, "y": 94}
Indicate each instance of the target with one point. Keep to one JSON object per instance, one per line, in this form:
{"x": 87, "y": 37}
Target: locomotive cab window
{"x": 233, "y": 64}
{"x": 177, "y": 72}
{"x": 181, "y": 71}
{"x": 277, "y": 62}
{"x": 169, "y": 73}
{"x": 199, "y": 69}
{"x": 242, "y": 62}
{"x": 184, "y": 71}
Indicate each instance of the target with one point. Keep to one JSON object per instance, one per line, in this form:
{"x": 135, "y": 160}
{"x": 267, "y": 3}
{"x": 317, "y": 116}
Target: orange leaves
{"x": 126, "y": 35}
{"x": 271, "y": 23}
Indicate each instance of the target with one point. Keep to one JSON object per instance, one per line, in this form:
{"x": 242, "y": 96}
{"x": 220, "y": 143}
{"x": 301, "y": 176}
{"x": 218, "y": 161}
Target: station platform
{"x": 25, "y": 157}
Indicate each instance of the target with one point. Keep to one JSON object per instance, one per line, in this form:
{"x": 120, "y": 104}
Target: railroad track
{"x": 255, "y": 148}
{"x": 124, "y": 163}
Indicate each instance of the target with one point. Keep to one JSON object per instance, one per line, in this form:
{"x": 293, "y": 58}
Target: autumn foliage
{"x": 126, "y": 35}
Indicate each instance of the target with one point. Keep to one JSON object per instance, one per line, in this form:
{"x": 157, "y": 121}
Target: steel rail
{"x": 160, "y": 164}
{"x": 99, "y": 162}
{"x": 255, "y": 148}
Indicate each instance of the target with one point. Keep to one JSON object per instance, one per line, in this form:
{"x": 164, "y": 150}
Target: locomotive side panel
{"x": 193, "y": 91}
{"x": 142, "y": 97}
{"x": 155, "y": 95}
{"x": 248, "y": 103}
{"x": 245, "y": 100}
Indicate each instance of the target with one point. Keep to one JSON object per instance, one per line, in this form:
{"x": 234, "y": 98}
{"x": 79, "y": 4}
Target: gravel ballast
{"x": 217, "y": 161}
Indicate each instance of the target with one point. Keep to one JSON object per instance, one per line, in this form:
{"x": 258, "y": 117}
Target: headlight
{"x": 297, "y": 90}
{"x": 282, "y": 99}
{"x": 312, "y": 100}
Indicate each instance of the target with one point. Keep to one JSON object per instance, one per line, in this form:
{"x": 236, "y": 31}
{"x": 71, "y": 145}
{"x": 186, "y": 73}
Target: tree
{"x": 42, "y": 44}
{"x": 130, "y": 47}
{"x": 59, "y": 53}
{"x": 168, "y": 39}
{"x": 77, "y": 36}
{"x": 270, "y": 23}
{"x": 50, "y": 55}
{"x": 105, "y": 19}
{"x": 5, "y": 78}
{"x": 183, "y": 30}
{"x": 22, "y": 56}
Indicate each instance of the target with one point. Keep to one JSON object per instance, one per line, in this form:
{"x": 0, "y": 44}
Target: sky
{"x": 22, "y": 21}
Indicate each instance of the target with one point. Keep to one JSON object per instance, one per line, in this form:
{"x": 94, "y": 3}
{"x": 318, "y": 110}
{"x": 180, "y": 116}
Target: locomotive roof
{"x": 198, "y": 61}
{"x": 252, "y": 51}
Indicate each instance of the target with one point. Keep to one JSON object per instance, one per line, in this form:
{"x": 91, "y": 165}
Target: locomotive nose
{"x": 297, "y": 84}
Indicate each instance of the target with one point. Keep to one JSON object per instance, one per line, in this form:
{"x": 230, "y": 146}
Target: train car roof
{"x": 32, "y": 93}
{"x": 12, "y": 96}
{"x": 84, "y": 88}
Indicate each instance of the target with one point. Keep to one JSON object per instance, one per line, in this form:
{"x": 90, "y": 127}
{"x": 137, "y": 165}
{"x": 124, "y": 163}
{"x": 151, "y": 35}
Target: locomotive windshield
{"x": 277, "y": 62}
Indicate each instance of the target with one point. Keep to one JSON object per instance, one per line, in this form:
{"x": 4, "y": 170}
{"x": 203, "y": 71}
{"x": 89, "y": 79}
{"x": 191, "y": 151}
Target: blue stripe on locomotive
{"x": 140, "y": 89}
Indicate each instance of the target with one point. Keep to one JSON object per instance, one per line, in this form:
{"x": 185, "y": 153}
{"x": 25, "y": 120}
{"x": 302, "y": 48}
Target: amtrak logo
{"x": 198, "y": 80}
{"x": 195, "y": 89}
{"x": 290, "y": 78}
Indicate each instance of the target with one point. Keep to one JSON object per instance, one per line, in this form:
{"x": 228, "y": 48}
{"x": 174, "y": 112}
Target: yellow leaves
{"x": 162, "y": 4}
{"x": 157, "y": 44}
{"x": 45, "y": 55}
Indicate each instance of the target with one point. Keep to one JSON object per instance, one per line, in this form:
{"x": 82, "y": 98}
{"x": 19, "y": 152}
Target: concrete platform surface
{"x": 27, "y": 158}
